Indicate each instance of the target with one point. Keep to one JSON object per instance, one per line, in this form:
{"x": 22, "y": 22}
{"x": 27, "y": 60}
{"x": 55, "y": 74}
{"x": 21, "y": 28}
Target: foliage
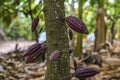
{"x": 17, "y": 16}
{"x": 19, "y": 28}
{"x": 12, "y": 9}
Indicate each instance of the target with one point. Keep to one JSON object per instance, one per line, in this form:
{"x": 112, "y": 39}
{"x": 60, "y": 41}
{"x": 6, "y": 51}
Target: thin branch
{"x": 31, "y": 15}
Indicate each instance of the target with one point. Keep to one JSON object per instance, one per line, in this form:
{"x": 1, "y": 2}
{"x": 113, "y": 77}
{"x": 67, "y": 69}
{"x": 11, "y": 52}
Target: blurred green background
{"x": 16, "y": 16}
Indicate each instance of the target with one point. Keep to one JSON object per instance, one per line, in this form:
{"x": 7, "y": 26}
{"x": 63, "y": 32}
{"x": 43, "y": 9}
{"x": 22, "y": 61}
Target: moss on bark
{"x": 57, "y": 39}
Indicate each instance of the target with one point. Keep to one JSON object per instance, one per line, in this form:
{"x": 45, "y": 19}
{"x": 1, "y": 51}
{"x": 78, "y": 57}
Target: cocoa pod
{"x": 32, "y": 49}
{"x": 34, "y": 23}
{"x": 76, "y": 24}
{"x": 85, "y": 72}
{"x": 55, "y": 54}
{"x": 34, "y": 54}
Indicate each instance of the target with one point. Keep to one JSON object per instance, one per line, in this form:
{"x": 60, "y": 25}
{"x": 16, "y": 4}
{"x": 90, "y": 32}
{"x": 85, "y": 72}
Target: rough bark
{"x": 57, "y": 39}
{"x": 78, "y": 48}
{"x": 100, "y": 32}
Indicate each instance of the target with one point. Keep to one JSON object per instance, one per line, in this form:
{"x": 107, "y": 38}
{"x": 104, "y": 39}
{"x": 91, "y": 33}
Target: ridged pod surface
{"x": 76, "y": 24}
{"x": 34, "y": 51}
{"x": 34, "y": 23}
{"x": 86, "y": 72}
{"x": 55, "y": 54}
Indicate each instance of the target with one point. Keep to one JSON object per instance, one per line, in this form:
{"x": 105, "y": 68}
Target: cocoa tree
{"x": 56, "y": 44}
{"x": 56, "y": 31}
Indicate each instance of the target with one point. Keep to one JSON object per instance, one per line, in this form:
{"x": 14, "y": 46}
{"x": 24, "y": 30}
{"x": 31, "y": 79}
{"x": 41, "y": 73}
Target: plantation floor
{"x": 13, "y": 67}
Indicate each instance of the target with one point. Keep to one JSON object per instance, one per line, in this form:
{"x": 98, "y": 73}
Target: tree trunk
{"x": 78, "y": 48}
{"x": 100, "y": 31}
{"x": 56, "y": 33}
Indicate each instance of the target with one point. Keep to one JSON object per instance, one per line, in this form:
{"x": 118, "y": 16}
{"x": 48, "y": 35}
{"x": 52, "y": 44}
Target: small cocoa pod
{"x": 55, "y": 54}
{"x": 85, "y": 72}
{"x": 34, "y": 23}
{"x": 76, "y": 24}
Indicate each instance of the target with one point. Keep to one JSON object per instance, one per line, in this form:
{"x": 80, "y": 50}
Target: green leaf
{"x": 92, "y": 2}
{"x": 7, "y": 20}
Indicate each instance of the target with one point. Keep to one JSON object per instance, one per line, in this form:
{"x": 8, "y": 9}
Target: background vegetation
{"x": 15, "y": 16}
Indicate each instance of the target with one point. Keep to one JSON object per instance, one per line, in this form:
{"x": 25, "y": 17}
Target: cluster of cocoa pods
{"x": 38, "y": 50}
{"x": 78, "y": 26}
{"x": 35, "y": 52}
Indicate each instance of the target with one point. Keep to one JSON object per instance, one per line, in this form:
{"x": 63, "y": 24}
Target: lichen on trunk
{"x": 57, "y": 39}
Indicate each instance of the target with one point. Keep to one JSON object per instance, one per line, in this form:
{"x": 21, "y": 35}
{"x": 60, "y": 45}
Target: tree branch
{"x": 31, "y": 15}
